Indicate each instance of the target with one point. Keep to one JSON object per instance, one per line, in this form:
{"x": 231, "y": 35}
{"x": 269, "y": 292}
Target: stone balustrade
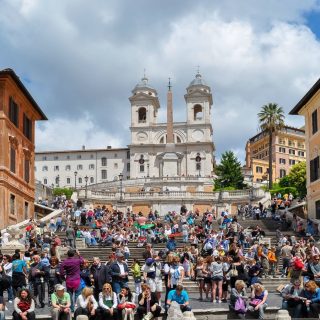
{"x": 217, "y": 196}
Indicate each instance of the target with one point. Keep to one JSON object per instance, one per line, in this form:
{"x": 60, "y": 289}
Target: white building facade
{"x": 149, "y": 155}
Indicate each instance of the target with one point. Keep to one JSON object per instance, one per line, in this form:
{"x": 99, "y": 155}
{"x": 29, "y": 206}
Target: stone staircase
{"x": 269, "y": 226}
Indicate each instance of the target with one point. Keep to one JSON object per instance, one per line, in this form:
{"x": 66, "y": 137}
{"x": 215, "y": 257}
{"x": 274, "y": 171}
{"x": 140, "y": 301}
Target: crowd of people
{"x": 229, "y": 264}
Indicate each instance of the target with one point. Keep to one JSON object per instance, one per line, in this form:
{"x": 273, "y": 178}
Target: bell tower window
{"x": 197, "y": 112}
{"x": 142, "y": 114}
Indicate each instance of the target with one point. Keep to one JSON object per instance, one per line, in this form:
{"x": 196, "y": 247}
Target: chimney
{"x": 169, "y": 115}
{"x": 108, "y": 147}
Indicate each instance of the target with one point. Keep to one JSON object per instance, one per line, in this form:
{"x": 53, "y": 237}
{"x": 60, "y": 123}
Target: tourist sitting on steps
{"x": 148, "y": 306}
{"x": 87, "y": 304}
{"x": 60, "y": 301}
{"x": 180, "y": 296}
{"x": 292, "y": 300}
{"x": 108, "y": 303}
{"x": 24, "y": 306}
{"x": 238, "y": 298}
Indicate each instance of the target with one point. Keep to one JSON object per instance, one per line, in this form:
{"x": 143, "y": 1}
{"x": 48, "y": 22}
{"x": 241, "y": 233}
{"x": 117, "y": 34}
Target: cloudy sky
{"x": 80, "y": 60}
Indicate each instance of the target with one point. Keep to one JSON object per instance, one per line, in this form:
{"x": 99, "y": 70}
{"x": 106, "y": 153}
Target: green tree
{"x": 229, "y": 172}
{"x": 271, "y": 119}
{"x": 297, "y": 178}
{"x": 60, "y": 191}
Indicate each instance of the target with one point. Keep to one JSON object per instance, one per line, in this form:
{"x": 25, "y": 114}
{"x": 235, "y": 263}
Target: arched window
{"x": 142, "y": 113}
{"x": 162, "y": 140}
{"x": 197, "y": 112}
{"x": 178, "y": 139}
{"x": 283, "y": 173}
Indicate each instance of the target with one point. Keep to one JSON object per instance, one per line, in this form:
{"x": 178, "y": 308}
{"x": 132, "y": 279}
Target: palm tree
{"x": 271, "y": 119}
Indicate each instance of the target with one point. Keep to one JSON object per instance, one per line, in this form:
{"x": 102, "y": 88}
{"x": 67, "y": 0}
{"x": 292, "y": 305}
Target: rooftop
{"x": 81, "y": 150}
{"x": 9, "y": 72}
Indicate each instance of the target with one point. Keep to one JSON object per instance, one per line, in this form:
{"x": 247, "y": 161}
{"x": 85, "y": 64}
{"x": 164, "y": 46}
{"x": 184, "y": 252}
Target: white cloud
{"x": 81, "y": 57}
{"x": 72, "y": 134}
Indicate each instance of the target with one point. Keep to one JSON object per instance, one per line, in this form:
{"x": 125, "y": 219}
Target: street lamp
{"x": 75, "y": 180}
{"x": 121, "y": 178}
{"x": 86, "y": 180}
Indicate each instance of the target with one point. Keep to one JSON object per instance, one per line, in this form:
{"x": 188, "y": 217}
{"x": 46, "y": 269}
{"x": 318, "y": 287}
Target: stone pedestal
{"x": 80, "y": 243}
{"x": 283, "y": 315}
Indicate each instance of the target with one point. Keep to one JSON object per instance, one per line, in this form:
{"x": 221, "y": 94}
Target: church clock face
{"x": 197, "y": 135}
{"x": 142, "y": 136}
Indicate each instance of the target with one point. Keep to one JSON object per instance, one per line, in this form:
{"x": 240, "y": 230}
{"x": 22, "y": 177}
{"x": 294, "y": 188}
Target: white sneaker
{"x": 220, "y": 301}
{"x": 214, "y": 301}
{"x": 10, "y": 301}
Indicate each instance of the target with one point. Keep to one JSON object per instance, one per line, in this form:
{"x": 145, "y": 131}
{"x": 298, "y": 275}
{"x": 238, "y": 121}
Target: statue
{"x": 10, "y": 246}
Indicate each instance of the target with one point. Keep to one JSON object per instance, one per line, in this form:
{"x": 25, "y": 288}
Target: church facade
{"x": 171, "y": 149}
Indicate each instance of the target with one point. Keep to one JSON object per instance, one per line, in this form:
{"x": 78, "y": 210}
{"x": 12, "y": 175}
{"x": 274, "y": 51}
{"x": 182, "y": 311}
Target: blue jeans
{"x": 117, "y": 286}
{"x": 74, "y": 294}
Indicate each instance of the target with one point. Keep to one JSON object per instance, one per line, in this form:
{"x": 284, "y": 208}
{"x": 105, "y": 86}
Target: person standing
{"x": 19, "y": 272}
{"x": 70, "y": 235}
{"x": 119, "y": 273}
{"x": 286, "y": 258}
{"x": 70, "y": 268}
{"x": 100, "y": 276}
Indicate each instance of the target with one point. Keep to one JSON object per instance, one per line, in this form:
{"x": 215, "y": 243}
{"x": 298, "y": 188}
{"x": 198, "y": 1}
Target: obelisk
{"x": 169, "y": 116}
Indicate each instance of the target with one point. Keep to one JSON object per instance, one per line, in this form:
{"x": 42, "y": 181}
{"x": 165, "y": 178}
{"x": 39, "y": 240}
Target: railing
{"x": 219, "y": 196}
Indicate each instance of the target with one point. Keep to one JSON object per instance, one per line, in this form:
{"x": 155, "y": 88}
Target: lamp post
{"x": 121, "y": 178}
{"x": 75, "y": 180}
{"x": 86, "y": 180}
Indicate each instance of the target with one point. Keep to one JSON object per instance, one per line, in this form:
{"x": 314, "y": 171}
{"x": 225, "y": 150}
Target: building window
{"x": 116, "y": 155}
{"x": 292, "y": 151}
{"x": 27, "y": 170}
{"x": 282, "y": 161}
{"x": 56, "y": 168}
{"x": 162, "y": 140}
{"x": 68, "y": 167}
{"x": 27, "y": 127}
{"x": 45, "y": 168}
{"x": 91, "y": 166}
{"x": 103, "y": 174}
{"x": 103, "y": 162}
{"x": 300, "y": 145}
{"x": 68, "y": 157}
{"x": 314, "y": 169}
{"x": 314, "y": 121}
{"x": 79, "y": 156}
{"x": 115, "y": 166}
{"x": 79, "y": 167}
{"x": 128, "y": 166}
{"x": 91, "y": 179}
{"x": 282, "y": 141}
{"x": 142, "y": 115}
{"x": 128, "y": 154}
{"x": 13, "y": 112}
{"x": 68, "y": 180}
{"x": 79, "y": 180}
{"x": 26, "y": 210}
{"x": 198, "y": 166}
{"x": 141, "y": 168}
{"x": 197, "y": 112}
{"x": 44, "y": 158}
{"x": 12, "y": 204}
{"x": 282, "y": 173}
{"x": 45, "y": 181}
{"x": 317, "y": 209}
{"x": 258, "y": 169}
{"x": 178, "y": 139}
{"x": 12, "y": 159}
{"x": 91, "y": 156}
{"x": 291, "y": 143}
{"x": 301, "y": 153}
{"x": 56, "y": 158}
{"x": 292, "y": 162}
{"x": 282, "y": 150}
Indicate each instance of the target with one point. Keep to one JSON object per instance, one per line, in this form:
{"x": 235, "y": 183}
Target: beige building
{"x": 288, "y": 147}
{"x": 309, "y": 107}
